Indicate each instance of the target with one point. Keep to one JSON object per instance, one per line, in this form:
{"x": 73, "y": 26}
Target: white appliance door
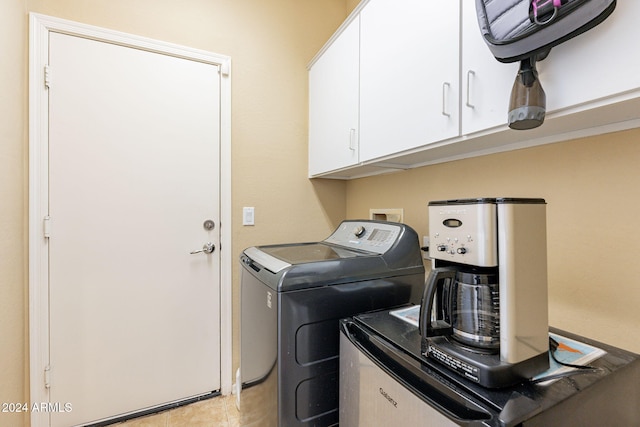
{"x": 134, "y": 159}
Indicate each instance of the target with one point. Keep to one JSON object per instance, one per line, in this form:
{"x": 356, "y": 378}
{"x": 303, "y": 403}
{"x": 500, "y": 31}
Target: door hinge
{"x": 225, "y": 68}
{"x": 47, "y": 376}
{"x": 46, "y": 226}
{"x": 47, "y": 76}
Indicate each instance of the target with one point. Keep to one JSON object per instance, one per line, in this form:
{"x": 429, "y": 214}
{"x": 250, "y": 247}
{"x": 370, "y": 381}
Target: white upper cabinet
{"x": 486, "y": 83}
{"x": 333, "y": 104}
{"x": 409, "y": 75}
{"x": 409, "y": 83}
{"x": 601, "y": 63}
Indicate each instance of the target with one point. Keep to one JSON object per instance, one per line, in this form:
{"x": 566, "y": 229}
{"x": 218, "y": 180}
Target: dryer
{"x": 292, "y": 298}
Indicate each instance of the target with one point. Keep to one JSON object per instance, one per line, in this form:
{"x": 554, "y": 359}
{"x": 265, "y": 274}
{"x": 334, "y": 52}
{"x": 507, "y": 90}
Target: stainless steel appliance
{"x": 292, "y": 298}
{"x": 484, "y": 310}
{"x": 385, "y": 380}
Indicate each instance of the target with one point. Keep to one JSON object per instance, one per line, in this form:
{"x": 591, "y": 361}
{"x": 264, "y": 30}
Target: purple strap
{"x": 556, "y": 4}
{"x": 542, "y": 3}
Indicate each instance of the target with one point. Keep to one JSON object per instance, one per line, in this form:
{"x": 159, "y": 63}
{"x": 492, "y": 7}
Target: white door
{"x": 133, "y": 176}
{"x": 595, "y": 65}
{"x": 486, "y": 83}
{"x": 333, "y": 104}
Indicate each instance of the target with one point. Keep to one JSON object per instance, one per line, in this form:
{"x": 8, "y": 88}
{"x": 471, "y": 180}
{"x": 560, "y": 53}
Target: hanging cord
{"x": 581, "y": 369}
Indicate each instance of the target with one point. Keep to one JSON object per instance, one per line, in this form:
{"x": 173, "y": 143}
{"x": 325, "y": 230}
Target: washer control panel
{"x": 369, "y": 236}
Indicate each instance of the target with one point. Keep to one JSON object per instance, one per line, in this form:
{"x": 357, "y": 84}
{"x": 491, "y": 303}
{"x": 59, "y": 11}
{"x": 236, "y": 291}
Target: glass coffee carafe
{"x": 465, "y": 305}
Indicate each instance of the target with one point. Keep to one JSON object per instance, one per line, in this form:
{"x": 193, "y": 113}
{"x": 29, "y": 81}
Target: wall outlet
{"x": 425, "y": 244}
{"x": 393, "y": 215}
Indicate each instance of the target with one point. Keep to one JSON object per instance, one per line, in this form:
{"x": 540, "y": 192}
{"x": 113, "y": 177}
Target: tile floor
{"x": 219, "y": 411}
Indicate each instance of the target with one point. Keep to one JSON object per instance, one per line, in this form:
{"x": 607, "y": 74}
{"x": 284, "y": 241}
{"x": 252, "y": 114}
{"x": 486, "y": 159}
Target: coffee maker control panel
{"x": 464, "y": 233}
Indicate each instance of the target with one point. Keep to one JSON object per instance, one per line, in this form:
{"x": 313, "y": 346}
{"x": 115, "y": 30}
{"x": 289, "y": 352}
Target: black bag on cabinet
{"x": 525, "y": 31}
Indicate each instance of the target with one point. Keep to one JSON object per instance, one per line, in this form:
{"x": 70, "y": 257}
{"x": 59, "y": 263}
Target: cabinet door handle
{"x": 469, "y": 74}
{"x": 352, "y": 139}
{"x": 445, "y": 91}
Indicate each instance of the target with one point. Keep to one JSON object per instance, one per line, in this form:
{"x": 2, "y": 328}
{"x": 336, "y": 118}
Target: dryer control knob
{"x": 359, "y": 231}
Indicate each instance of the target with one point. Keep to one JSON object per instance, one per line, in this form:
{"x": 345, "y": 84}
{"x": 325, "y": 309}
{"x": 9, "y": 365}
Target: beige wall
{"x": 13, "y": 152}
{"x": 270, "y": 44}
{"x": 351, "y": 4}
{"x": 591, "y": 187}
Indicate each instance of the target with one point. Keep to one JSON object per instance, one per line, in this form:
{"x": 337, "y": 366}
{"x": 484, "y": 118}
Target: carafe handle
{"x": 435, "y": 284}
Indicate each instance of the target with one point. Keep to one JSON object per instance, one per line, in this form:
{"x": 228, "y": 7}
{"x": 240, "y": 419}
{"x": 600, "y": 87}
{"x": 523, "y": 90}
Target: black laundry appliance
{"x": 292, "y": 298}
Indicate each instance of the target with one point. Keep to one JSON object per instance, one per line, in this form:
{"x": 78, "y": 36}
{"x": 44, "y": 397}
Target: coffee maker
{"x": 484, "y": 310}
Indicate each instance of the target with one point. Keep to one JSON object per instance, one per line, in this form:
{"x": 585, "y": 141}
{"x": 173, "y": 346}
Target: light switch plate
{"x": 248, "y": 216}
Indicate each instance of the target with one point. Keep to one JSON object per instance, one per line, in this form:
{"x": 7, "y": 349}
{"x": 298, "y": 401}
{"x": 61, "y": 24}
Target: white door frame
{"x": 40, "y": 27}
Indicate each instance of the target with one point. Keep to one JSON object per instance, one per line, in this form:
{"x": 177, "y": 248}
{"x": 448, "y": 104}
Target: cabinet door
{"x": 409, "y": 79}
{"x": 333, "y": 104}
{"x": 600, "y": 63}
{"x": 486, "y": 83}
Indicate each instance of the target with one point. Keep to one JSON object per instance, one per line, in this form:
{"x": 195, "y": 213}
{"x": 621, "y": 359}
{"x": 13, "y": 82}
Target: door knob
{"x": 207, "y": 248}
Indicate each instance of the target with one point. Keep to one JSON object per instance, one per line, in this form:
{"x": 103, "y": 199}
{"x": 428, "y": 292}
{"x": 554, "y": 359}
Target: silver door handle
{"x": 469, "y": 74}
{"x": 445, "y": 94}
{"x": 207, "y": 248}
{"x": 352, "y": 139}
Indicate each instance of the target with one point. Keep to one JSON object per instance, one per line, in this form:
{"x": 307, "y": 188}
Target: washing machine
{"x": 292, "y": 298}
